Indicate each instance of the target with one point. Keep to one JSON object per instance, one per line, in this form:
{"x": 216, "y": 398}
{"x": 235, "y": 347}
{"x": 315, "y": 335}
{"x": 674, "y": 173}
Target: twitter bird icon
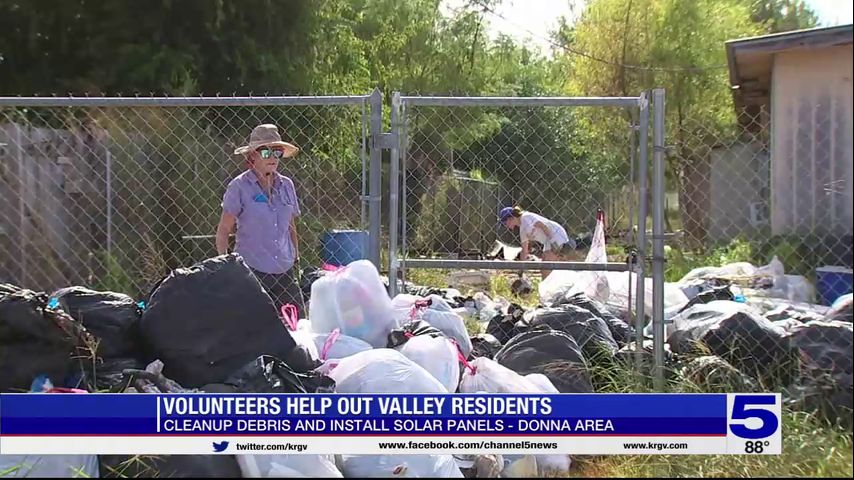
{"x": 220, "y": 447}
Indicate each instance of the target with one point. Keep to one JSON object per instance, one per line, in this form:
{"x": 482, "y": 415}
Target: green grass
{"x": 811, "y": 448}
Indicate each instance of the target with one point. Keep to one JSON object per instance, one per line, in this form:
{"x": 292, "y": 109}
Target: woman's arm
{"x": 294, "y": 239}
{"x": 223, "y": 230}
{"x": 524, "y": 250}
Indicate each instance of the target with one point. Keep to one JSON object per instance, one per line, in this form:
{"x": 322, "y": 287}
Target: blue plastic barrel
{"x": 342, "y": 247}
{"x": 833, "y": 282}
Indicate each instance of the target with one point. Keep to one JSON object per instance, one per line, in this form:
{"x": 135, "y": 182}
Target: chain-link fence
{"x": 113, "y": 193}
{"x": 463, "y": 163}
{"x": 752, "y": 195}
{"x": 761, "y": 204}
{"x": 749, "y": 217}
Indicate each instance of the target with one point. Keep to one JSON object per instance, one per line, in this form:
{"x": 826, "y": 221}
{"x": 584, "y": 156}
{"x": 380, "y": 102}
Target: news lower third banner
{"x": 582, "y": 424}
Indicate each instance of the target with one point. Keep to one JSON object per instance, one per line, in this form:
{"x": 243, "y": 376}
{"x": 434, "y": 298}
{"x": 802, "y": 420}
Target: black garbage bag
{"x": 826, "y": 359}
{"x": 711, "y": 374}
{"x": 169, "y": 466}
{"x": 400, "y": 335}
{"x": 505, "y": 327}
{"x": 484, "y": 345}
{"x": 709, "y": 295}
{"x": 300, "y": 360}
{"x": 622, "y": 332}
{"x": 749, "y": 342}
{"x": 588, "y": 330}
{"x": 218, "y": 388}
{"x": 112, "y": 317}
{"x": 107, "y": 374}
{"x": 626, "y": 359}
{"x": 268, "y": 374}
{"x": 37, "y": 340}
{"x": 207, "y": 321}
{"x": 22, "y": 317}
{"x": 551, "y": 353}
{"x": 20, "y": 363}
{"x": 423, "y": 291}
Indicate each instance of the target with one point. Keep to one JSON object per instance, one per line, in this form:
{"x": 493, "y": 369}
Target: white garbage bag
{"x": 536, "y": 466}
{"x": 354, "y": 300}
{"x": 520, "y": 466}
{"x": 737, "y": 272}
{"x": 300, "y": 330}
{"x": 614, "y": 289}
{"x": 550, "y": 465}
{"x": 794, "y": 288}
{"x": 542, "y": 382}
{"x": 774, "y": 268}
{"x": 487, "y": 308}
{"x": 730, "y": 271}
{"x": 435, "y": 311}
{"x": 382, "y": 370}
{"x": 288, "y": 466}
{"x": 400, "y": 466}
{"x": 563, "y": 283}
{"x": 467, "y": 313}
{"x": 337, "y": 346}
{"x": 49, "y": 466}
{"x": 305, "y": 338}
{"x": 486, "y": 375}
{"x": 437, "y": 355}
{"x": 621, "y": 289}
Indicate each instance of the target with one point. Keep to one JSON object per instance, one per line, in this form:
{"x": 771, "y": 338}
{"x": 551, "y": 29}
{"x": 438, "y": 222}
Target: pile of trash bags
{"x": 212, "y": 328}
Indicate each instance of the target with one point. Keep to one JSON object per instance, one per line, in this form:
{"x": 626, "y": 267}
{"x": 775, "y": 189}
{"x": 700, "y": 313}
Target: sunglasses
{"x": 267, "y": 152}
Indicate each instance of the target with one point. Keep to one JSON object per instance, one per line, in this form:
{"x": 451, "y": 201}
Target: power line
{"x": 567, "y": 48}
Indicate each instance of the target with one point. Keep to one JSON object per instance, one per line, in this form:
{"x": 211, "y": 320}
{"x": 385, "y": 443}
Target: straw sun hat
{"x": 267, "y": 135}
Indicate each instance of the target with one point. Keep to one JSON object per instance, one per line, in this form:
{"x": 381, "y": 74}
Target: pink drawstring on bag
{"x": 66, "y": 390}
{"x": 290, "y": 316}
{"x": 462, "y": 358}
{"x": 418, "y": 306}
{"x": 327, "y": 345}
{"x": 332, "y": 268}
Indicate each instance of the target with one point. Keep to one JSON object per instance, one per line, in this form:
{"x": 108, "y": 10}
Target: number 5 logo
{"x": 740, "y": 411}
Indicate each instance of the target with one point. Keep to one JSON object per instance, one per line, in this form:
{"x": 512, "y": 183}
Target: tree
{"x": 189, "y": 47}
{"x": 631, "y": 46}
{"x": 782, "y": 15}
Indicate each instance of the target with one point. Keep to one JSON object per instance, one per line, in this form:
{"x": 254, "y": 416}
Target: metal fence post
{"x": 643, "y": 166}
{"x": 394, "y": 187}
{"x": 658, "y": 235}
{"x": 375, "y": 179}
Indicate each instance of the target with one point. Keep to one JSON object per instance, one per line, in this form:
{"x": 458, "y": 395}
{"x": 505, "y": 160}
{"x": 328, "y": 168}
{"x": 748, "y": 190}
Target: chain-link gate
{"x": 112, "y": 193}
{"x": 459, "y": 160}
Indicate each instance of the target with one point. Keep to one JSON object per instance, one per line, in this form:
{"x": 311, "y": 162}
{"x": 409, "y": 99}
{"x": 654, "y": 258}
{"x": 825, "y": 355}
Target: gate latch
{"x": 386, "y": 141}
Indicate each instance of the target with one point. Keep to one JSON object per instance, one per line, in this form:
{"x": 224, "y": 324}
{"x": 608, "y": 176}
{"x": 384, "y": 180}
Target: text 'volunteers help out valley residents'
{"x": 345, "y": 405}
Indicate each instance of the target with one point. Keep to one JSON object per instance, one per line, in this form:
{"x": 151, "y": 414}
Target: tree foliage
{"x": 209, "y": 47}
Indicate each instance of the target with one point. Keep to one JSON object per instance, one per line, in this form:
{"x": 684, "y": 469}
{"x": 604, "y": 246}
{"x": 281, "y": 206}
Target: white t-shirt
{"x": 529, "y": 232}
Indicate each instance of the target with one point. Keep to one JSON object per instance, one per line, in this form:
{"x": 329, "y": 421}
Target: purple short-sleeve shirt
{"x": 263, "y": 223}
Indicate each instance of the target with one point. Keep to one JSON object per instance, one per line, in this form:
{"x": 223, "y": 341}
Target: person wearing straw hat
{"x": 263, "y": 205}
{"x": 537, "y": 228}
